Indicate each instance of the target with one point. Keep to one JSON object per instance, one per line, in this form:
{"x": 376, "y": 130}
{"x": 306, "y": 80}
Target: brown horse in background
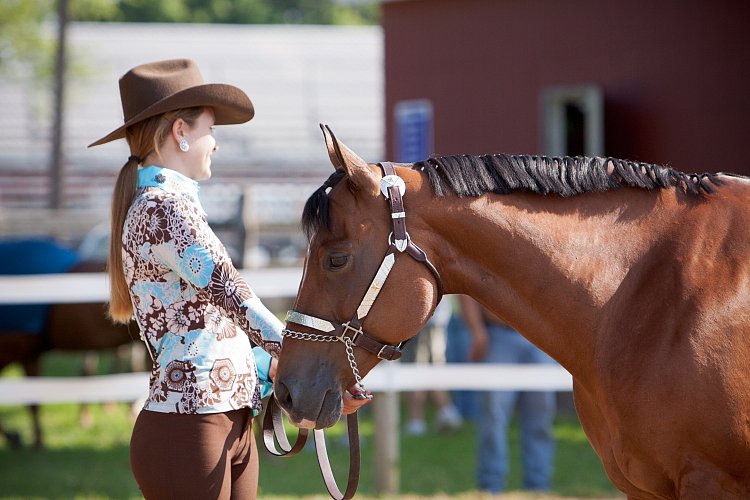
{"x": 68, "y": 327}
{"x": 635, "y": 277}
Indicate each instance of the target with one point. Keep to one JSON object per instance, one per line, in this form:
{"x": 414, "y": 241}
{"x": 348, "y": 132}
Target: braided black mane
{"x": 466, "y": 175}
{"x": 563, "y": 176}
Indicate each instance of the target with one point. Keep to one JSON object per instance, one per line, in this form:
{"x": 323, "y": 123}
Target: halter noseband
{"x": 350, "y": 333}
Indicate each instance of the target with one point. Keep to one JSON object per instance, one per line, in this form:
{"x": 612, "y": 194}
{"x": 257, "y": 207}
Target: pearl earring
{"x": 184, "y": 146}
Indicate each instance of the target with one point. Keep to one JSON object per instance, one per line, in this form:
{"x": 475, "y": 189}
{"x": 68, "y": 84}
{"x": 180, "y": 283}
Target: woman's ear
{"x": 178, "y": 129}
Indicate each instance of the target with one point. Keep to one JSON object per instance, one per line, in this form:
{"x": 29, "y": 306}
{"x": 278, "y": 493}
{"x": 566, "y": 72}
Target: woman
{"x": 193, "y": 438}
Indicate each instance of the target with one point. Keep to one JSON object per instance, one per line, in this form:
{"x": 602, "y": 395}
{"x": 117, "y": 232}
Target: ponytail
{"x": 120, "y": 305}
{"x": 144, "y": 139}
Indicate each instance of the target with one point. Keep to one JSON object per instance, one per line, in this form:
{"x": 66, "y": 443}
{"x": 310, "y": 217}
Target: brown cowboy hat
{"x": 155, "y": 88}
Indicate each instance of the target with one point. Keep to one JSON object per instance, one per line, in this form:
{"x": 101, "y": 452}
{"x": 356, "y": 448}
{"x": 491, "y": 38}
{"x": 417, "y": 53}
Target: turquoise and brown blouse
{"x": 191, "y": 304}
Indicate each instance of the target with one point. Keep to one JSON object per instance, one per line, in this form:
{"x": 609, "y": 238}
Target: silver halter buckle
{"x": 392, "y": 181}
{"x": 347, "y": 328}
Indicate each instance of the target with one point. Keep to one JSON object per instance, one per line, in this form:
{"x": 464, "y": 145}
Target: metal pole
{"x": 57, "y": 199}
{"x": 386, "y": 413}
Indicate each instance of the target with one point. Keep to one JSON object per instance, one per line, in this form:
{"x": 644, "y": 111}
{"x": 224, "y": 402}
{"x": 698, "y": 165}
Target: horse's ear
{"x": 343, "y": 158}
{"x": 332, "y": 146}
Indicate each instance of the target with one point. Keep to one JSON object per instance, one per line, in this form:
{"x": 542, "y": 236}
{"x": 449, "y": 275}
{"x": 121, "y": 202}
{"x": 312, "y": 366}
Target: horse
{"x": 635, "y": 277}
{"x": 28, "y": 331}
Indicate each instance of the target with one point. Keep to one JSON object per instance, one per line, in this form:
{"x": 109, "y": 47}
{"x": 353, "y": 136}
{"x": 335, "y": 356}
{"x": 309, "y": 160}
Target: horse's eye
{"x": 337, "y": 261}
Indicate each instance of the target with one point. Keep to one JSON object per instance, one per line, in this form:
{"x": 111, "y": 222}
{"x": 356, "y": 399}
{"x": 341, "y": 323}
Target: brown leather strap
{"x": 396, "y": 203}
{"x": 399, "y": 227}
{"x": 273, "y": 432}
{"x": 354, "y": 460}
{"x": 273, "y": 427}
{"x": 420, "y": 256}
{"x": 361, "y": 339}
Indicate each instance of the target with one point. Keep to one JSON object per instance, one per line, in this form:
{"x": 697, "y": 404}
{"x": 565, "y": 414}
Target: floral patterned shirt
{"x": 189, "y": 302}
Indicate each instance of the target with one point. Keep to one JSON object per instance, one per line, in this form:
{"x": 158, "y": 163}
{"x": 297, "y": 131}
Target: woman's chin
{"x": 206, "y": 174}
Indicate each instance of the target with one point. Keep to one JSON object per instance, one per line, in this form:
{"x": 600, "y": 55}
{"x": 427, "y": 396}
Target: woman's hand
{"x": 272, "y": 369}
{"x": 355, "y": 398}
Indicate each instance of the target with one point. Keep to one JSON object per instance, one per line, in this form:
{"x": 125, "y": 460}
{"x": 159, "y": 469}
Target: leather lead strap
{"x": 273, "y": 428}
{"x": 354, "y": 460}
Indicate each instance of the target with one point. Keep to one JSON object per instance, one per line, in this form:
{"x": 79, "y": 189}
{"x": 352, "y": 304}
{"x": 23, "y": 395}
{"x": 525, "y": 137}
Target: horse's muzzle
{"x": 304, "y": 410}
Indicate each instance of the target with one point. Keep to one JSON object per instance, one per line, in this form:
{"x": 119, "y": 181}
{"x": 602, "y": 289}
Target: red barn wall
{"x": 675, "y": 73}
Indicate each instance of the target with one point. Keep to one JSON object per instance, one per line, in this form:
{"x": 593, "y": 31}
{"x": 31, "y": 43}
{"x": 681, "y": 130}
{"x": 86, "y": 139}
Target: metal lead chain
{"x": 353, "y": 362}
{"x": 308, "y": 336}
{"x": 330, "y": 338}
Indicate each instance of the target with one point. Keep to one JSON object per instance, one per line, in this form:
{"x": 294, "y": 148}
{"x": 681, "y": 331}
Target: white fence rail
{"x": 387, "y": 378}
{"x": 74, "y": 288}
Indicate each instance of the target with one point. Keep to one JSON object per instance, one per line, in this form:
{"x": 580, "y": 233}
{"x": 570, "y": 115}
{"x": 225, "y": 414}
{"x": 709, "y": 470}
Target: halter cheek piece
{"x": 350, "y": 333}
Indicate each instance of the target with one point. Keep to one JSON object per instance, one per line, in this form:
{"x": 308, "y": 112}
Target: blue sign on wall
{"x": 413, "y": 130}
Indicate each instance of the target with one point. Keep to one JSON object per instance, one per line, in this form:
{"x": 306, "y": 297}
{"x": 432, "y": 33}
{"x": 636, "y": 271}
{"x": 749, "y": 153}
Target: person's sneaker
{"x": 415, "y": 428}
{"x": 449, "y": 419}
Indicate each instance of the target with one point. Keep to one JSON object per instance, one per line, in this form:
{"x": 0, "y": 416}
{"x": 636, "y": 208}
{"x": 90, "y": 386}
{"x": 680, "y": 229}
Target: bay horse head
{"x": 359, "y": 247}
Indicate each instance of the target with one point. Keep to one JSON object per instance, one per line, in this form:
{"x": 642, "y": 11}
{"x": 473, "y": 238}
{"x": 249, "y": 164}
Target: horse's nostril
{"x": 282, "y": 394}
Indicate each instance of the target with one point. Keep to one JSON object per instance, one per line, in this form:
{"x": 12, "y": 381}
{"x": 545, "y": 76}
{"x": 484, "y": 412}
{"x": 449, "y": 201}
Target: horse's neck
{"x": 545, "y": 265}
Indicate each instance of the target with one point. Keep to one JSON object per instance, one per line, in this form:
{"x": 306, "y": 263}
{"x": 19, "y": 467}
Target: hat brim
{"x": 230, "y": 105}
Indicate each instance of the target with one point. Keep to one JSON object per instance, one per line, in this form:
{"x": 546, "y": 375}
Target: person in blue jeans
{"x": 495, "y": 342}
{"x": 457, "y": 345}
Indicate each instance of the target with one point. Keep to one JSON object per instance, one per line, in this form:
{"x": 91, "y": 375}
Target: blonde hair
{"x": 144, "y": 138}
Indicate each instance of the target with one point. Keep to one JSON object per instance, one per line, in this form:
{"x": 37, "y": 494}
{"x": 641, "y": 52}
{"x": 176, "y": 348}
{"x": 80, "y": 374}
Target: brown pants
{"x": 195, "y": 456}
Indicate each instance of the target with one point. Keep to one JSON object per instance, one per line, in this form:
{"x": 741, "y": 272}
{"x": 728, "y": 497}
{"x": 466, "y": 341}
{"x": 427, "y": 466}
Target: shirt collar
{"x": 170, "y": 181}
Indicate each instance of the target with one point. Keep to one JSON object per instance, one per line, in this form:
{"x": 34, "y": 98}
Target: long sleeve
{"x": 190, "y": 248}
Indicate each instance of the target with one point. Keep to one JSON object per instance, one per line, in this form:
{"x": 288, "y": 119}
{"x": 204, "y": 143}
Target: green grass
{"x": 93, "y": 462}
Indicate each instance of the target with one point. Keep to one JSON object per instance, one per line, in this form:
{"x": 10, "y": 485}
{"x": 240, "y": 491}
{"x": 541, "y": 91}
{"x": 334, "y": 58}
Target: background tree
{"x": 27, "y": 39}
{"x": 24, "y": 46}
{"x": 227, "y": 11}
{"x": 21, "y": 40}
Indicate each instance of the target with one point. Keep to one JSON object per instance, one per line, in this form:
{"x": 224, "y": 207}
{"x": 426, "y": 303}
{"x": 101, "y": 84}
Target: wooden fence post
{"x": 387, "y": 459}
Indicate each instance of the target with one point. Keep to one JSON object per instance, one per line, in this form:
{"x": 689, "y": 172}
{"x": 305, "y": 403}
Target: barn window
{"x": 572, "y": 120}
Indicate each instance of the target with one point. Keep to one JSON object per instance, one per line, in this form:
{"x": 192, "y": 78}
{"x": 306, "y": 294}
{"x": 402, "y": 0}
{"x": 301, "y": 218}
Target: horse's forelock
{"x": 316, "y": 212}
